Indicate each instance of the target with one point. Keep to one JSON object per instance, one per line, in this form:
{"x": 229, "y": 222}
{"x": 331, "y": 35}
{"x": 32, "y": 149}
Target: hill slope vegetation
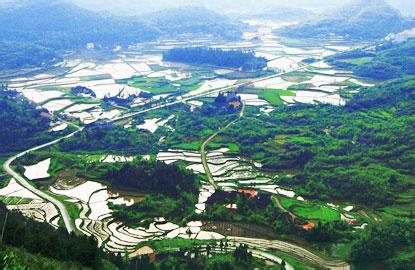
{"x": 360, "y": 19}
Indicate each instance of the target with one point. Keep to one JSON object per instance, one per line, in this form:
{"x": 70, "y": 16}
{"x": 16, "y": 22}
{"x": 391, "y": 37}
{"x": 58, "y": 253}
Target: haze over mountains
{"x": 43, "y": 27}
{"x": 360, "y": 19}
{"x": 143, "y": 6}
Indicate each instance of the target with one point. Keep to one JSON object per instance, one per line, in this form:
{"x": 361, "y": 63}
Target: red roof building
{"x": 308, "y": 226}
{"x": 250, "y": 193}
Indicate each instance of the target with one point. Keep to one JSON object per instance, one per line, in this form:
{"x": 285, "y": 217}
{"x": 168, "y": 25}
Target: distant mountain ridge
{"x": 360, "y": 19}
{"x": 43, "y": 29}
{"x": 192, "y": 19}
{"x": 63, "y": 25}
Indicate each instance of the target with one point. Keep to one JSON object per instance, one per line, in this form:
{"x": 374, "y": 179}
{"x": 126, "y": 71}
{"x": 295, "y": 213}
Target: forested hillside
{"x": 61, "y": 25}
{"x": 362, "y": 152}
{"x": 21, "y": 123}
{"x": 42, "y": 239}
{"x": 194, "y": 20}
{"x": 146, "y": 176}
{"x": 216, "y": 57}
{"x": 38, "y": 32}
{"x": 387, "y": 61}
{"x": 361, "y": 19}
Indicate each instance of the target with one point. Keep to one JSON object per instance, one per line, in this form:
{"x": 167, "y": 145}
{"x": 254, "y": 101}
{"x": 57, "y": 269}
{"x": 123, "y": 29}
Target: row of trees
{"x": 246, "y": 60}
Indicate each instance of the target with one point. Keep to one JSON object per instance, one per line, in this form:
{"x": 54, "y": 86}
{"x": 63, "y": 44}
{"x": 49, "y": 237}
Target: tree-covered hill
{"x": 216, "y": 57}
{"x": 387, "y": 61}
{"x": 195, "y": 20}
{"x": 44, "y": 240}
{"x": 147, "y": 176}
{"x": 360, "y": 19}
{"x": 21, "y": 123}
{"x": 21, "y": 54}
{"x": 63, "y": 26}
{"x": 362, "y": 152}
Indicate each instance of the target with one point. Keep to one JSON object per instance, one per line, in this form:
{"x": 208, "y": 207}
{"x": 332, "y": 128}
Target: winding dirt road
{"x": 24, "y": 182}
{"x": 209, "y": 139}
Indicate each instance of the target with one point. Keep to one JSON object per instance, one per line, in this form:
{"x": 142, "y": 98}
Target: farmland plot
{"x": 29, "y": 204}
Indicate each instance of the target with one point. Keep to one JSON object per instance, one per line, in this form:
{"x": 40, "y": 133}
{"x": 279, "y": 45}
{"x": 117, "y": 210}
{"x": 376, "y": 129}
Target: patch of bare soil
{"x": 67, "y": 180}
{"x": 240, "y": 229}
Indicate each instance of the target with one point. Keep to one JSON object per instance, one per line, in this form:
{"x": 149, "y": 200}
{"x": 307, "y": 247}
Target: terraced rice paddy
{"x": 95, "y": 219}
{"x": 29, "y": 204}
{"x": 229, "y": 172}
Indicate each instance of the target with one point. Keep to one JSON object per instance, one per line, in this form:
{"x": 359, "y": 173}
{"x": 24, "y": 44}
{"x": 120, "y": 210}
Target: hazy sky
{"x": 132, "y": 7}
{"x": 137, "y": 7}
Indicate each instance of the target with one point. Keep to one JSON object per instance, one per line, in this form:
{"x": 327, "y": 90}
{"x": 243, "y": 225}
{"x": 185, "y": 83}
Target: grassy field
{"x": 223, "y": 141}
{"x": 310, "y": 211}
{"x": 14, "y": 200}
{"x": 158, "y": 86}
{"x": 273, "y": 96}
{"x": 297, "y": 77}
{"x": 358, "y": 61}
{"x": 72, "y": 208}
{"x": 188, "y": 146}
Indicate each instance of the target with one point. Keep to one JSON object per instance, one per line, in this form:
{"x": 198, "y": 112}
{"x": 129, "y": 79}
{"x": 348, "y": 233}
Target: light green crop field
{"x": 273, "y": 96}
{"x": 310, "y": 211}
{"x": 358, "y": 61}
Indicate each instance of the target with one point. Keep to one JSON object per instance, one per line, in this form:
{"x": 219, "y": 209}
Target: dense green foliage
{"x": 41, "y": 238}
{"x": 362, "y": 152}
{"x": 176, "y": 209}
{"x": 217, "y": 57}
{"x": 20, "y": 259}
{"x": 191, "y": 128}
{"x": 172, "y": 190}
{"x": 67, "y": 26}
{"x": 21, "y": 123}
{"x": 249, "y": 210}
{"x": 114, "y": 139}
{"x": 239, "y": 259}
{"x": 360, "y": 19}
{"x": 153, "y": 176}
{"x": 381, "y": 242}
{"x": 21, "y": 54}
{"x": 157, "y": 86}
{"x": 391, "y": 60}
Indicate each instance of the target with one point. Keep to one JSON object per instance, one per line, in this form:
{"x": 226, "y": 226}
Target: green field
{"x": 358, "y": 61}
{"x": 160, "y": 85}
{"x": 273, "y": 96}
{"x": 310, "y": 211}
